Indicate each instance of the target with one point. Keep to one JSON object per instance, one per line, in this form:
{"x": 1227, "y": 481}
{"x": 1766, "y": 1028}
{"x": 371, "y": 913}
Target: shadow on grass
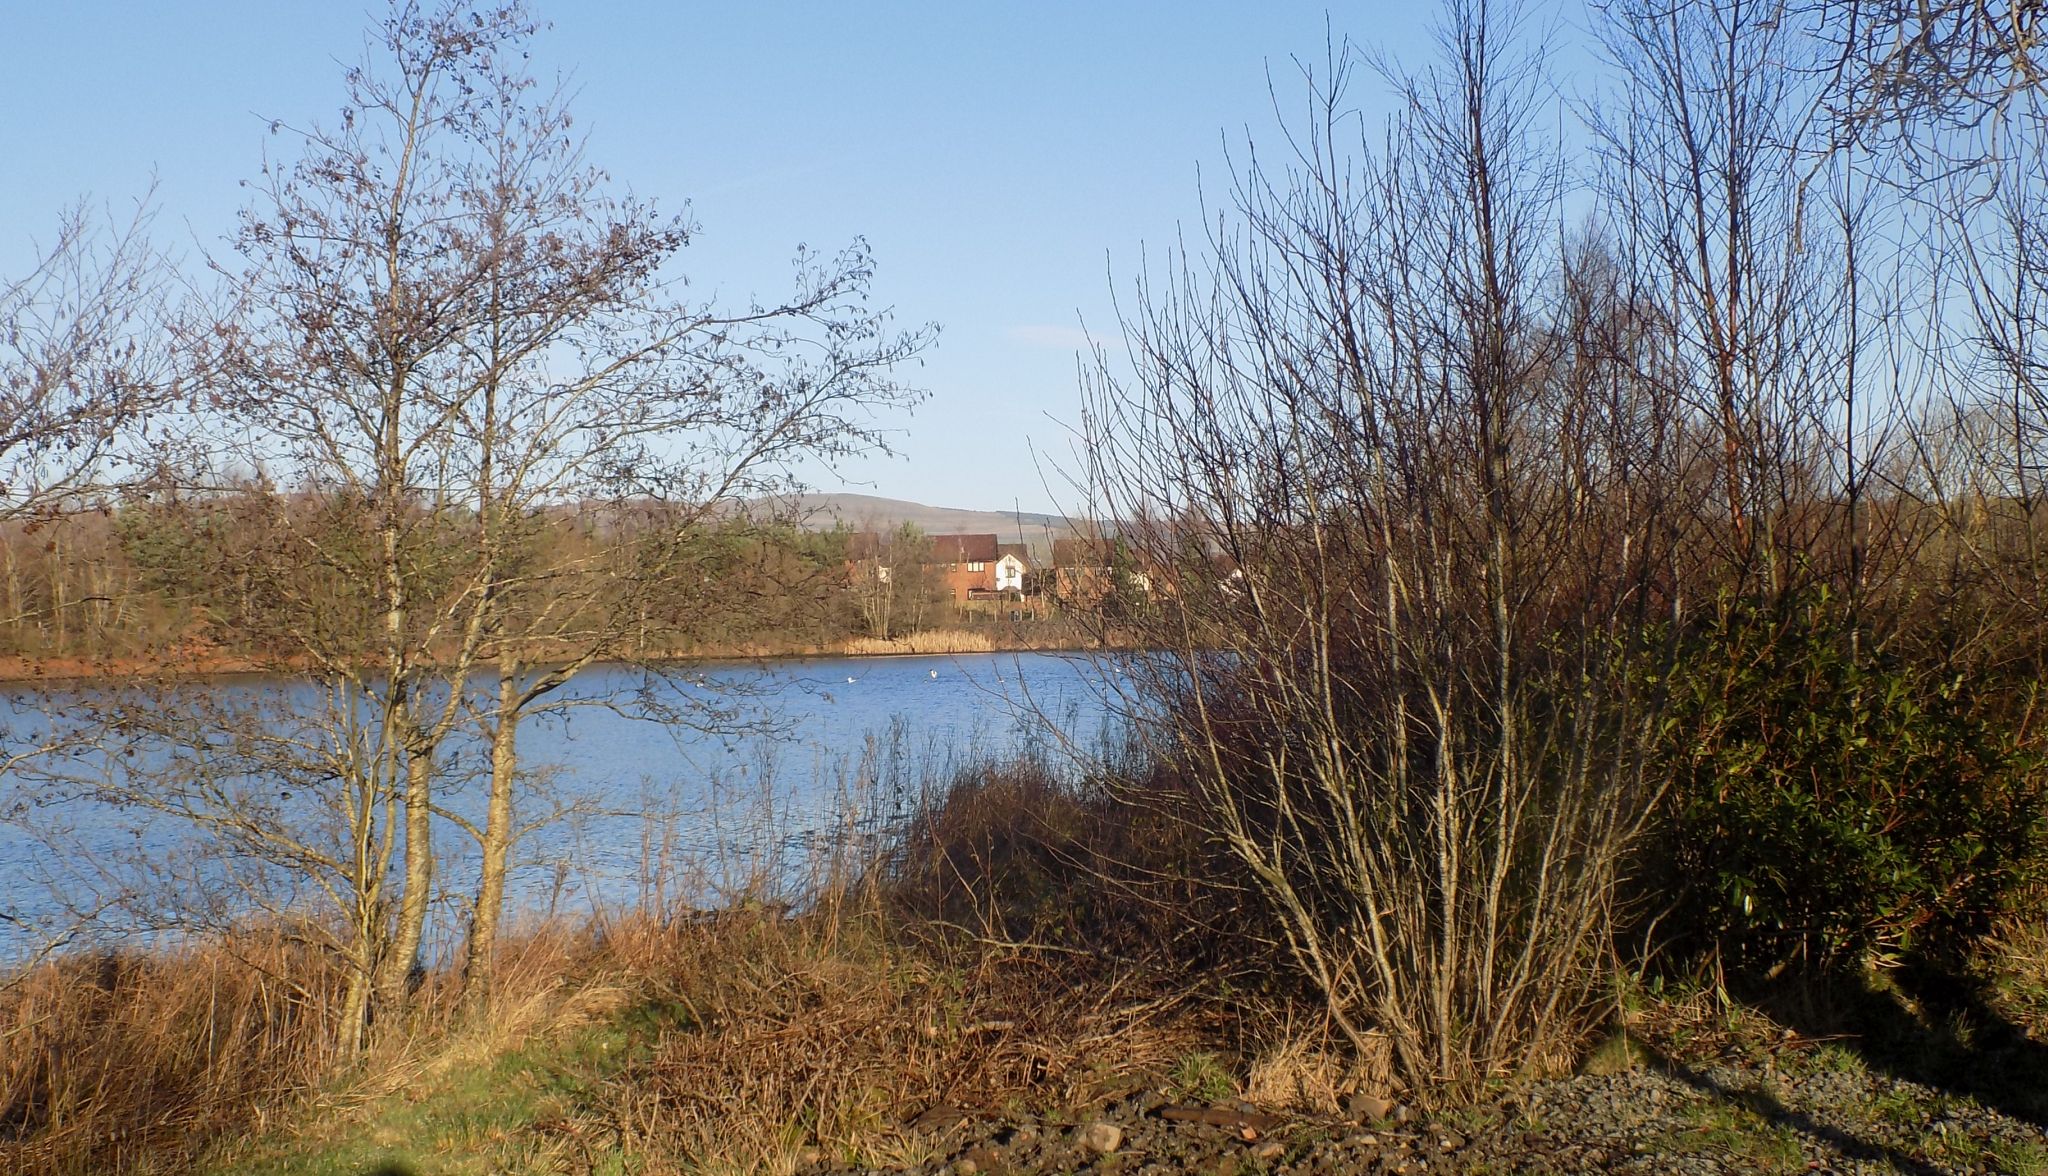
{"x": 1778, "y": 1114}
{"x": 394, "y": 1168}
{"x": 1926, "y": 1025}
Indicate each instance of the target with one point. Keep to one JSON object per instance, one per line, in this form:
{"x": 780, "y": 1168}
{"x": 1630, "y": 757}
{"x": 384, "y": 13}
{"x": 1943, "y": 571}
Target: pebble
{"x": 1641, "y": 1122}
{"x": 1368, "y": 1108}
{"x": 1102, "y": 1137}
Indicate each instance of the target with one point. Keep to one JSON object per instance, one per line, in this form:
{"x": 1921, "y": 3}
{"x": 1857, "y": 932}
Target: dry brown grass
{"x": 932, "y": 641}
{"x": 1034, "y": 943}
{"x": 825, "y": 1031}
{"x": 138, "y": 1060}
{"x": 755, "y": 1035}
{"x": 1313, "y": 1071}
{"x": 112, "y": 1060}
{"x": 1016, "y": 853}
{"x": 2013, "y": 961}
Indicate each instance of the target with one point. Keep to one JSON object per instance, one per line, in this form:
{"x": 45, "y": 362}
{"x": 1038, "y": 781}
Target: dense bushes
{"x": 1014, "y": 852}
{"x": 1832, "y": 801}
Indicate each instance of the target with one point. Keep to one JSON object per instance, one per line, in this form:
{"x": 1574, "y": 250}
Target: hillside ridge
{"x": 870, "y": 512}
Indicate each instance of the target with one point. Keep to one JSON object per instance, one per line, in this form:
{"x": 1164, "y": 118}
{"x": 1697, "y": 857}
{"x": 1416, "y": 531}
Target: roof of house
{"x": 963, "y": 548}
{"x": 1021, "y": 550}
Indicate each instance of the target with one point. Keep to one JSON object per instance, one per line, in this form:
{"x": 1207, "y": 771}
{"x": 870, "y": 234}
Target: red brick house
{"x": 965, "y": 563}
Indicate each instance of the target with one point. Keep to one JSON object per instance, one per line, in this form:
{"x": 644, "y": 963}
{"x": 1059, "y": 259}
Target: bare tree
{"x": 873, "y": 585}
{"x": 81, "y": 355}
{"x": 490, "y": 433}
{"x": 1934, "y": 81}
{"x": 83, "y": 364}
{"x": 1711, "y": 167}
{"x": 1390, "y": 453}
{"x": 586, "y": 380}
{"x": 1983, "y": 450}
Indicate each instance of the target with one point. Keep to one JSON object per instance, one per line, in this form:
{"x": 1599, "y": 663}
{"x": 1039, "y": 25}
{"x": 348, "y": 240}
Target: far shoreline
{"x": 18, "y": 671}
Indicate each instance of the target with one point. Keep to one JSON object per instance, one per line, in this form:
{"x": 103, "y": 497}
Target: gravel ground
{"x": 1827, "y": 1114}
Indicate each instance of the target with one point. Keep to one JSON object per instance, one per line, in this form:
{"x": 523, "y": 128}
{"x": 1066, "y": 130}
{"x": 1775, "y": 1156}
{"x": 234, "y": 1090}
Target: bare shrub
{"x": 1109, "y": 866}
{"x": 1387, "y": 456}
{"x": 81, "y": 356}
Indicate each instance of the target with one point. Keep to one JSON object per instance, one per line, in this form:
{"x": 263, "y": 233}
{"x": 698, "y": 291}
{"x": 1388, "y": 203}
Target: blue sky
{"x": 1003, "y": 160}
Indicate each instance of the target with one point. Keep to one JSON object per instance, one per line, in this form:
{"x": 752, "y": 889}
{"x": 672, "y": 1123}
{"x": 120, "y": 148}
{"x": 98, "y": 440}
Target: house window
{"x": 975, "y": 565}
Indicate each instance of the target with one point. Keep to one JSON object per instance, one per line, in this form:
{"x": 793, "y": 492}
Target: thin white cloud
{"x": 1048, "y": 335}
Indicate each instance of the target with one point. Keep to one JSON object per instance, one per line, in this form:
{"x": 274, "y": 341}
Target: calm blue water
{"x": 751, "y": 775}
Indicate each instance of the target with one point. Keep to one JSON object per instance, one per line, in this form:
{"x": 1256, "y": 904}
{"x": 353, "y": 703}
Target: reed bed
{"x": 932, "y": 641}
{"x": 130, "y": 1060}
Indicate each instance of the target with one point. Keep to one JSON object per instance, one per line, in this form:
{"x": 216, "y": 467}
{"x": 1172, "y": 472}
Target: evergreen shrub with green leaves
{"x": 1835, "y": 802}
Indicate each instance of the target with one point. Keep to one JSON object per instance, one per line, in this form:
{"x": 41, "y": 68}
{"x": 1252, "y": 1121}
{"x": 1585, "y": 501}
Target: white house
{"x": 1010, "y": 573}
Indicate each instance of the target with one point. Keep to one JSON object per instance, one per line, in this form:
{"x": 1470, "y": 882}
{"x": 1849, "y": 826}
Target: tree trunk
{"x": 497, "y": 840}
{"x": 13, "y": 610}
{"x": 394, "y": 981}
{"x": 355, "y": 1000}
{"x": 53, "y": 571}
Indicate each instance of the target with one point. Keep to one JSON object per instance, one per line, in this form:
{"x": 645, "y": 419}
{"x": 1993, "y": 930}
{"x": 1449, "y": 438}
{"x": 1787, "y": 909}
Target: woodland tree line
{"x": 164, "y": 580}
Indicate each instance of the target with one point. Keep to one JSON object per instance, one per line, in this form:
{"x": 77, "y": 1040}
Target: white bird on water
{"x": 850, "y": 680}
{"x": 935, "y": 673}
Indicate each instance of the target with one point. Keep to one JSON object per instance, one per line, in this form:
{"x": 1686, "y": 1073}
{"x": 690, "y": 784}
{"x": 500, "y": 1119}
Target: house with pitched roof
{"x": 1013, "y": 564}
{"x": 965, "y": 563}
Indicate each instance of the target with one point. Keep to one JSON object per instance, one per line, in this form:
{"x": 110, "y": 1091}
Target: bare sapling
{"x": 1392, "y": 455}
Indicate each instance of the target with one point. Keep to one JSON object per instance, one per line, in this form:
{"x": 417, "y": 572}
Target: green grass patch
{"x": 523, "y": 1110}
{"x": 1617, "y": 1054}
{"x": 1201, "y": 1077}
{"x": 1732, "y": 1131}
{"x": 2019, "y": 1158}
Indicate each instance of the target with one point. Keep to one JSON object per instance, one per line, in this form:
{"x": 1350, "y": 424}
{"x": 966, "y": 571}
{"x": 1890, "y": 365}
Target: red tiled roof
{"x": 963, "y": 548}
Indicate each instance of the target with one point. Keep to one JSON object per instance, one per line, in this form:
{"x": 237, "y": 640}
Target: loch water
{"x": 687, "y": 787}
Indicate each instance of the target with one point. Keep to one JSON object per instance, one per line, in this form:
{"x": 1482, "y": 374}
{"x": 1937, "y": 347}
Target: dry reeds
{"x": 1016, "y": 853}
{"x": 109, "y": 1059}
{"x": 931, "y": 641}
{"x": 821, "y": 1032}
{"x": 118, "y": 1061}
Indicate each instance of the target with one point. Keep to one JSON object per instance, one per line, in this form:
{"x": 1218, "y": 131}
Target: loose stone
{"x": 1102, "y": 1138}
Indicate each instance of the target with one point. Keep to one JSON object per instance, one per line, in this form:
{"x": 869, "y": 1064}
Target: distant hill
{"x": 867, "y": 512}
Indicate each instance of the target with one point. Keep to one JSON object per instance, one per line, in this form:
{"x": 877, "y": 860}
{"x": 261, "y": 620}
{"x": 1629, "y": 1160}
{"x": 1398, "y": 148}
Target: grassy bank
{"x": 1031, "y": 952}
{"x": 738, "y": 1039}
{"x": 756, "y": 1044}
{"x": 739, "y": 1042}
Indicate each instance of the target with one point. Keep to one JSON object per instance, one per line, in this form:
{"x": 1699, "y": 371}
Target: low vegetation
{"x": 1023, "y": 950}
{"x": 738, "y": 1039}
